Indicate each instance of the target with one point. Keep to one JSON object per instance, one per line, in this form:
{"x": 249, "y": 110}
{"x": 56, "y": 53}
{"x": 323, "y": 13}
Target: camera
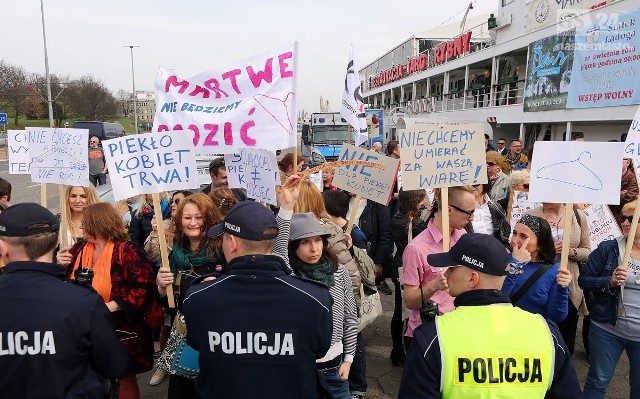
{"x": 83, "y": 277}
{"x": 428, "y": 311}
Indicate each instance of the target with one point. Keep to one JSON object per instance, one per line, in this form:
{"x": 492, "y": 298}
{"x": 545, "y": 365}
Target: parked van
{"x": 102, "y": 130}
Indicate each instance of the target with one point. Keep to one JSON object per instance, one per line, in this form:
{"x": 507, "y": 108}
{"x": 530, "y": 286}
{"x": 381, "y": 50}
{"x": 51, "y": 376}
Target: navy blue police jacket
{"x": 259, "y": 331}
{"x": 56, "y": 338}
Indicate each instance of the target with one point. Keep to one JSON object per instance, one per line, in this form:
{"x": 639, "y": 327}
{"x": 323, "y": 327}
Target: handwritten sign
{"x": 316, "y": 178}
{"x": 372, "y": 183}
{"x": 574, "y": 172}
{"x": 61, "y": 155}
{"x": 251, "y": 104}
{"x": 602, "y": 225}
{"x": 150, "y": 163}
{"x": 442, "y": 154}
{"x": 255, "y": 170}
{"x": 19, "y": 160}
{"x": 521, "y": 205}
{"x": 632, "y": 142}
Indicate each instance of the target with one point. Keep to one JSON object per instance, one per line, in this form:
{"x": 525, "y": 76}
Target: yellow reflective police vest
{"x": 494, "y": 351}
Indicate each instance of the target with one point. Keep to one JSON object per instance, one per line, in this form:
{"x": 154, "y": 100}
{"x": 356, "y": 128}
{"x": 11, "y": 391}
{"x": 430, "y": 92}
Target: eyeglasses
{"x": 468, "y": 213}
{"x": 624, "y": 218}
{"x": 491, "y": 164}
{"x": 93, "y": 142}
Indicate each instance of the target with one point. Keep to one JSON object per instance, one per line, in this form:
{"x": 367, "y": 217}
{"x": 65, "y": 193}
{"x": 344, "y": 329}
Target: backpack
{"x": 366, "y": 267}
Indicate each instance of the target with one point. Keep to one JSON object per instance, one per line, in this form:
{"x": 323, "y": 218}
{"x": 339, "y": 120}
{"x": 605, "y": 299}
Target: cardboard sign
{"x": 19, "y": 160}
{"x": 62, "y": 155}
{"x": 256, "y": 171}
{"x": 150, "y": 163}
{"x": 372, "y": 183}
{"x": 602, "y": 225}
{"x": 442, "y": 154}
{"x": 316, "y": 178}
{"x": 521, "y": 205}
{"x": 575, "y": 172}
{"x": 251, "y": 104}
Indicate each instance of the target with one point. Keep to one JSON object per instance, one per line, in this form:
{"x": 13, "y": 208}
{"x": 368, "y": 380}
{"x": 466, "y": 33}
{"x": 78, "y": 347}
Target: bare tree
{"x": 124, "y": 100}
{"x": 38, "y": 86}
{"x": 14, "y": 91}
{"x": 90, "y": 99}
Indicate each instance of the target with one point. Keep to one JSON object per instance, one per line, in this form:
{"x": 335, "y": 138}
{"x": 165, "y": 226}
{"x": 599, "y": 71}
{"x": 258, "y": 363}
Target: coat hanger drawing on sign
{"x": 581, "y": 174}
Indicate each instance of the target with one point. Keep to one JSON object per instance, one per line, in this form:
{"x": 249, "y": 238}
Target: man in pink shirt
{"x": 414, "y": 260}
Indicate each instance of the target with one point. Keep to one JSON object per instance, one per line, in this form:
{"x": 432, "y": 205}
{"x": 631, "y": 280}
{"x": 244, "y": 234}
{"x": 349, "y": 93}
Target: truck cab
{"x": 323, "y": 136}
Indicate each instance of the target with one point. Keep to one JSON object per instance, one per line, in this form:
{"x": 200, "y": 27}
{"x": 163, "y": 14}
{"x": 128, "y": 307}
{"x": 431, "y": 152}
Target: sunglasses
{"x": 468, "y": 213}
{"x": 491, "y": 164}
{"x": 176, "y": 201}
{"x": 624, "y": 218}
{"x": 525, "y": 185}
{"x": 499, "y": 143}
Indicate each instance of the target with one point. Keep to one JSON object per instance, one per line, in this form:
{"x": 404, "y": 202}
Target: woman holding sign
{"x": 535, "y": 282}
{"x": 614, "y": 309}
{"x": 193, "y": 255}
{"x": 78, "y": 198}
{"x": 122, "y": 275}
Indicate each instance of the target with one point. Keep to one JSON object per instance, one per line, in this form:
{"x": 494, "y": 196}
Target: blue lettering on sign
{"x": 361, "y": 156}
{"x": 3, "y": 119}
{"x": 545, "y": 64}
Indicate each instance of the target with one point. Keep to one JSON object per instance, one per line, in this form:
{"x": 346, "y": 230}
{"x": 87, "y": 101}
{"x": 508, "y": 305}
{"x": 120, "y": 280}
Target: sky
{"x": 192, "y": 36}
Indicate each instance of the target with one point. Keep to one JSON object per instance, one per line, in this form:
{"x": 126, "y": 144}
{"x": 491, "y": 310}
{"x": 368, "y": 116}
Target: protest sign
{"x": 442, "y": 154}
{"x": 249, "y": 104}
{"x": 602, "y": 225}
{"x": 574, "y": 172}
{"x": 316, "y": 178}
{"x": 62, "y": 155}
{"x": 256, "y": 171}
{"x": 150, "y": 163}
{"x": 521, "y": 205}
{"x": 19, "y": 160}
{"x": 372, "y": 183}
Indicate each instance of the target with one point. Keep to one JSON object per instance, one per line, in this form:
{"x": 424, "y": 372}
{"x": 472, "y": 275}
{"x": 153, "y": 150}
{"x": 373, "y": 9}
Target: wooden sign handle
{"x": 354, "y": 213}
{"x": 446, "y": 233}
{"x": 163, "y": 244}
{"x": 64, "y": 239}
{"x": 631, "y": 236}
{"x": 43, "y": 194}
{"x": 566, "y": 236}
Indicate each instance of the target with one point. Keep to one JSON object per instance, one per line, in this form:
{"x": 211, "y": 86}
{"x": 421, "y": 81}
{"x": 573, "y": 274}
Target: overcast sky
{"x": 191, "y": 36}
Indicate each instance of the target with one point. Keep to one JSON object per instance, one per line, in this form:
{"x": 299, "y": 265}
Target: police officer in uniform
{"x": 258, "y": 330}
{"x": 485, "y": 348}
{"x": 57, "y": 339}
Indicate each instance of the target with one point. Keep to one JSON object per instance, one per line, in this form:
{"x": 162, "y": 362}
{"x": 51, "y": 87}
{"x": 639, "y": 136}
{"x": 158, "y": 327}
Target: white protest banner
{"x": 352, "y": 109}
{"x": 442, "y": 154}
{"x": 602, "y": 225}
{"x": 316, "y": 178}
{"x": 521, "y": 205}
{"x": 150, "y": 163}
{"x": 574, "y": 172}
{"x": 255, "y": 170}
{"x": 249, "y": 104}
{"x": 375, "y": 184}
{"x": 62, "y": 155}
{"x": 18, "y": 150}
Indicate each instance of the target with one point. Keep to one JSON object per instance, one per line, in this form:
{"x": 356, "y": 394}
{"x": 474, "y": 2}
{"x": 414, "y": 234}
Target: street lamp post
{"x": 133, "y": 78}
{"x": 46, "y": 67}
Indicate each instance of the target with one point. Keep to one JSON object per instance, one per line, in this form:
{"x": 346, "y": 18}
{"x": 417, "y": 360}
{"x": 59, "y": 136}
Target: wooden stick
{"x": 163, "y": 244}
{"x": 43, "y": 194}
{"x": 63, "y": 216}
{"x": 631, "y": 236}
{"x": 354, "y": 213}
{"x": 566, "y": 235}
{"x": 446, "y": 234}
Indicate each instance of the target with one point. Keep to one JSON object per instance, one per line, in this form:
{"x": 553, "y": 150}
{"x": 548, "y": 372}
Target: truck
{"x": 324, "y": 133}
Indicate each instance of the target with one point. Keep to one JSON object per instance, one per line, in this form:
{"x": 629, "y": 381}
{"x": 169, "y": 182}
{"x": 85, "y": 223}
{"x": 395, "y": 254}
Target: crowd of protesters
{"x": 274, "y": 293}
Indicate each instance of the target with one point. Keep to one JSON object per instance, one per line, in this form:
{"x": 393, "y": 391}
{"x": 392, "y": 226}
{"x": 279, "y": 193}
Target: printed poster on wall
{"x": 250, "y": 104}
{"x": 606, "y": 62}
{"x": 549, "y": 72}
{"x": 602, "y": 225}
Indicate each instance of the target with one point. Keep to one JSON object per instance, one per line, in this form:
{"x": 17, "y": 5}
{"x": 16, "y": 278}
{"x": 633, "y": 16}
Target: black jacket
{"x": 423, "y": 365}
{"x": 66, "y": 331}
{"x": 258, "y": 330}
{"x": 400, "y": 236}
{"x": 374, "y": 223}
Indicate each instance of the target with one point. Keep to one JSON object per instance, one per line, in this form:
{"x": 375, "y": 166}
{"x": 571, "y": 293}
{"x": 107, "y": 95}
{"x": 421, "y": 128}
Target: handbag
{"x": 153, "y": 313}
{"x": 185, "y": 360}
{"x": 371, "y": 308}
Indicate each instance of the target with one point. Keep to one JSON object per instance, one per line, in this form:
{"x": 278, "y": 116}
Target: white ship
{"x": 555, "y": 68}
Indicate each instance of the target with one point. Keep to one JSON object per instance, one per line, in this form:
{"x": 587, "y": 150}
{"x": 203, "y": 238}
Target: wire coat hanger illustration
{"x": 580, "y": 172}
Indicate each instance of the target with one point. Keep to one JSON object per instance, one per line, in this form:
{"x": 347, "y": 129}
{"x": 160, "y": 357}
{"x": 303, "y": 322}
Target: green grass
{"x": 23, "y": 122}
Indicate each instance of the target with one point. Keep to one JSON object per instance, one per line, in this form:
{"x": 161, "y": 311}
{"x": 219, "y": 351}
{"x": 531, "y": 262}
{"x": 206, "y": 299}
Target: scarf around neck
{"x": 182, "y": 258}
{"x": 321, "y": 272}
{"x": 101, "y": 269}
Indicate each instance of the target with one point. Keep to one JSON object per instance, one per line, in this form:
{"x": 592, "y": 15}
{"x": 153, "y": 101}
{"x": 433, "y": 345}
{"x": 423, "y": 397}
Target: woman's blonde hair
{"x": 310, "y": 200}
{"x": 518, "y": 177}
{"x": 630, "y": 207}
{"x": 92, "y": 198}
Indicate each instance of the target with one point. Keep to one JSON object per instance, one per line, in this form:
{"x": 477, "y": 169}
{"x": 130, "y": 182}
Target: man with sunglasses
{"x": 97, "y": 163}
{"x": 502, "y": 146}
{"x": 498, "y": 181}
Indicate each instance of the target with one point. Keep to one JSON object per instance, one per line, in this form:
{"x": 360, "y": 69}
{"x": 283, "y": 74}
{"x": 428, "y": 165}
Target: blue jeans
{"x": 98, "y": 180}
{"x": 358, "y": 371}
{"x": 338, "y": 387}
{"x": 606, "y": 349}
